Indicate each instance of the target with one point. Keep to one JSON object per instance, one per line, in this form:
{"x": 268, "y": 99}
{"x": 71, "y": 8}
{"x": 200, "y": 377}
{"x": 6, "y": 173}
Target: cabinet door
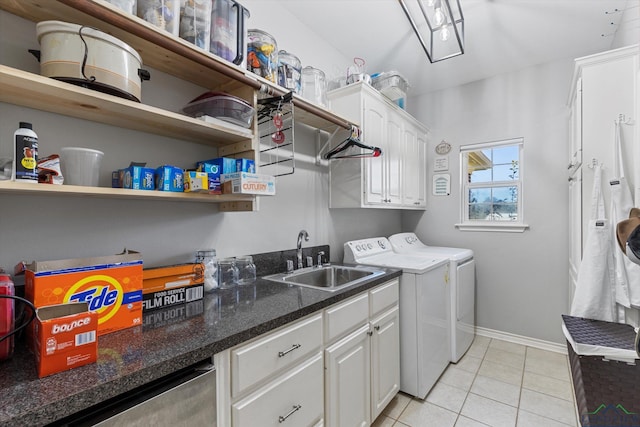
{"x": 347, "y": 381}
{"x": 415, "y": 168}
{"x": 374, "y": 131}
{"x": 575, "y": 230}
{"x": 385, "y": 360}
{"x": 575, "y": 154}
{"x": 394, "y": 157}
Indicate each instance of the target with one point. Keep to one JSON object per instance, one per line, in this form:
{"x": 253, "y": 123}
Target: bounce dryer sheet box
{"x": 176, "y": 284}
{"x": 248, "y": 183}
{"x": 110, "y": 285}
{"x": 169, "y": 178}
{"x": 64, "y": 337}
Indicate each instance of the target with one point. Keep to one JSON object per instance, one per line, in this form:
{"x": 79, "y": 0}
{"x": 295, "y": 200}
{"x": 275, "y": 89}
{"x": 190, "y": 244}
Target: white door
{"x": 347, "y": 381}
{"x": 415, "y": 168}
{"x": 385, "y": 360}
{"x": 393, "y": 157}
{"x": 374, "y": 131}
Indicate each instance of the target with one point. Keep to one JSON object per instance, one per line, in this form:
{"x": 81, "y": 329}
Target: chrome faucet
{"x": 305, "y": 235}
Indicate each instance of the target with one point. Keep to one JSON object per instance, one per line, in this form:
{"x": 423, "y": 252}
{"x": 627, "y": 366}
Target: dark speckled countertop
{"x": 170, "y": 339}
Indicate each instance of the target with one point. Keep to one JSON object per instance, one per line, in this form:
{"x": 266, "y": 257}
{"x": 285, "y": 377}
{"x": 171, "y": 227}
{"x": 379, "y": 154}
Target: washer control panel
{"x": 356, "y": 250}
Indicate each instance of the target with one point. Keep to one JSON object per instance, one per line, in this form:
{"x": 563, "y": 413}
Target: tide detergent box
{"x": 169, "y": 178}
{"x": 110, "y": 285}
{"x": 215, "y": 168}
{"x": 138, "y": 178}
{"x": 65, "y": 337}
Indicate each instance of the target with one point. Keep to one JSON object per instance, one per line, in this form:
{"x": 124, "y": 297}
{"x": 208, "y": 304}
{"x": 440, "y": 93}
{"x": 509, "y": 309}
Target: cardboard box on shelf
{"x": 215, "y": 168}
{"x": 196, "y": 182}
{"x": 245, "y": 165}
{"x": 169, "y": 178}
{"x": 110, "y": 285}
{"x": 171, "y": 285}
{"x": 248, "y": 183}
{"x": 64, "y": 337}
{"x": 138, "y": 178}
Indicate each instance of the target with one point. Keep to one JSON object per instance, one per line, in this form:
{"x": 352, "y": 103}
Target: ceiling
{"x": 500, "y": 35}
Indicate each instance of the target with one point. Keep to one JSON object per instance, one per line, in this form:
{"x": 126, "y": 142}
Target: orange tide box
{"x": 65, "y": 337}
{"x": 110, "y": 285}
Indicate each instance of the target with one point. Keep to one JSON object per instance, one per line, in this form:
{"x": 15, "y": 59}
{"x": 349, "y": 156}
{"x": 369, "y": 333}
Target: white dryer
{"x": 462, "y": 287}
{"x": 424, "y": 310}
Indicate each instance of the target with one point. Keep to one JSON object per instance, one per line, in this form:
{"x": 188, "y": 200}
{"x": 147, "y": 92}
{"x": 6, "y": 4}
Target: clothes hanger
{"x": 353, "y": 141}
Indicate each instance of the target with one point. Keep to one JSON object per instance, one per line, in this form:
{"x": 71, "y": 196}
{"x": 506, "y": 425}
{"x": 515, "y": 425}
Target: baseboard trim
{"x": 520, "y": 339}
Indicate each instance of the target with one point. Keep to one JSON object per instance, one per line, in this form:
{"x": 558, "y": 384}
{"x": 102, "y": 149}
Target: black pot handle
{"x": 36, "y": 53}
{"x": 144, "y": 74}
{"x": 240, "y": 42}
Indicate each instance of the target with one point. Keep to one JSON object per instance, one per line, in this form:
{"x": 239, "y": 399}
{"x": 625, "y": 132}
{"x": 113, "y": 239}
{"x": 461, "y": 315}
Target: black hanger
{"x": 352, "y": 142}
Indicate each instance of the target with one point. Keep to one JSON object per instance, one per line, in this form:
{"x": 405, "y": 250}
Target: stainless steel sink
{"x": 328, "y": 277}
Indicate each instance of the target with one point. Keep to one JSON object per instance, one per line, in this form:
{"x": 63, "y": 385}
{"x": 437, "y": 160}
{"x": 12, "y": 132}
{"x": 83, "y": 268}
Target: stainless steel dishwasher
{"x": 185, "y": 398}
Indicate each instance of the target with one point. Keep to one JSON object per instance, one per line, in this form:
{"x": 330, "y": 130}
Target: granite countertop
{"x": 170, "y": 339}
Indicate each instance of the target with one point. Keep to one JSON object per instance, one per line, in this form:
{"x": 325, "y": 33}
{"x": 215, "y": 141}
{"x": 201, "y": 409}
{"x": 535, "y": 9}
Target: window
{"x": 491, "y": 177}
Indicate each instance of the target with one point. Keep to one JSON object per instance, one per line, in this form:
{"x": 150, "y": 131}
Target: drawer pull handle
{"x": 293, "y": 347}
{"x": 369, "y": 333}
{"x": 377, "y": 327}
{"x": 282, "y": 419}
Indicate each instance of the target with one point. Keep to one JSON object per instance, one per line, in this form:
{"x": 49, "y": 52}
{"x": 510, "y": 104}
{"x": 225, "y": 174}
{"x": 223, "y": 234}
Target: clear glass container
{"x": 289, "y": 71}
{"x": 262, "y": 54}
{"x": 314, "y": 86}
{"x": 164, "y": 14}
{"x": 246, "y": 270}
{"x": 208, "y": 259}
{"x": 227, "y": 273}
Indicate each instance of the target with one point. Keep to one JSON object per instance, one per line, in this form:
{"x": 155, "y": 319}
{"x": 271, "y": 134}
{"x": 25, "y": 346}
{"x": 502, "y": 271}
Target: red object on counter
{"x": 7, "y": 317}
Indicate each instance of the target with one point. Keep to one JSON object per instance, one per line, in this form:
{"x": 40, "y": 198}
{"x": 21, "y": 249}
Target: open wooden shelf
{"x": 42, "y": 93}
{"x": 165, "y": 52}
{"x": 117, "y": 193}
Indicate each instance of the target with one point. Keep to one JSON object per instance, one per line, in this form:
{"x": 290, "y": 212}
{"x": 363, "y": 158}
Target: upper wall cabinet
{"x": 395, "y": 180}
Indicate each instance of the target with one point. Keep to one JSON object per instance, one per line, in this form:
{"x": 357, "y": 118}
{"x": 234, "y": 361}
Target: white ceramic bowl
{"x": 80, "y": 166}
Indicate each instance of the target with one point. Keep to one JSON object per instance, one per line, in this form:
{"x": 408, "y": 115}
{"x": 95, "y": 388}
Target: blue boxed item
{"x": 138, "y": 178}
{"x": 214, "y": 168}
{"x": 116, "y": 179}
{"x": 169, "y": 178}
{"x": 245, "y": 165}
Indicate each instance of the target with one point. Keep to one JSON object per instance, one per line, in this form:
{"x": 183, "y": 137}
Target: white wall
{"x": 54, "y": 227}
{"x": 522, "y": 279}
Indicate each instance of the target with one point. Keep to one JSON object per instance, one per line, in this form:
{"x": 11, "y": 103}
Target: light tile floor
{"x": 498, "y": 384}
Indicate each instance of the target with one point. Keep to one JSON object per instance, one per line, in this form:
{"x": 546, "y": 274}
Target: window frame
{"x": 516, "y": 226}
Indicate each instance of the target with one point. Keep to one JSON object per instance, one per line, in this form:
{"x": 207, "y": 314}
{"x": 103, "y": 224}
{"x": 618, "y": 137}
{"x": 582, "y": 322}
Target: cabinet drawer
{"x": 346, "y": 316}
{"x": 385, "y": 296}
{"x": 295, "y": 399}
{"x": 260, "y": 359}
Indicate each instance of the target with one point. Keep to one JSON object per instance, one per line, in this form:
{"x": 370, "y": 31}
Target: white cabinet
{"x": 362, "y": 370}
{"x": 347, "y": 380}
{"x": 396, "y": 179}
{"x": 601, "y": 91}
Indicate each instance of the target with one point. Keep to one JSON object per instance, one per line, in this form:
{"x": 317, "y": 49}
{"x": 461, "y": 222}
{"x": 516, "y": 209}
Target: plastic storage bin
{"x": 195, "y": 22}
{"x": 289, "y": 71}
{"x": 314, "y": 86}
{"x": 221, "y": 106}
{"x": 128, "y": 6}
{"x": 391, "y": 84}
{"x": 164, "y": 14}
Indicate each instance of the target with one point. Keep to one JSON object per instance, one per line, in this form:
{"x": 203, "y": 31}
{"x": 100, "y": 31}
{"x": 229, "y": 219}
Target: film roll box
{"x": 65, "y": 337}
{"x": 110, "y": 285}
{"x": 172, "y": 285}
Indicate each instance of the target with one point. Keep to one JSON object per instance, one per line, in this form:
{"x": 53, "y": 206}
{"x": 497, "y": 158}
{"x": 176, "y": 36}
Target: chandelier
{"x": 439, "y": 26}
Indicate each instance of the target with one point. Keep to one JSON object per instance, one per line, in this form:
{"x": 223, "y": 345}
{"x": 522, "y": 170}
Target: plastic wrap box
{"x": 138, "y": 178}
{"x": 169, "y": 178}
{"x": 248, "y": 183}
{"x": 606, "y": 389}
{"x": 111, "y": 285}
{"x": 65, "y": 337}
{"x": 172, "y": 285}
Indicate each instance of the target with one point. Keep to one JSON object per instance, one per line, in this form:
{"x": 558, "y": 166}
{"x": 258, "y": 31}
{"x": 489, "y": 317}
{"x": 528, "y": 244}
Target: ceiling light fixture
{"x": 434, "y": 22}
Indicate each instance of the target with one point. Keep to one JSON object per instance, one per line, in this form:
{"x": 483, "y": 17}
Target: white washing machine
{"x": 462, "y": 287}
{"x": 424, "y": 310}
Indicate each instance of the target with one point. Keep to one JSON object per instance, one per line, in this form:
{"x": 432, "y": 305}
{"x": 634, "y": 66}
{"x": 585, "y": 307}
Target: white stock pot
{"x": 88, "y": 57}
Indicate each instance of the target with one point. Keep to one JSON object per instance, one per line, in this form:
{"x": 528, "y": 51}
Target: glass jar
{"x": 246, "y": 270}
{"x": 227, "y": 273}
{"x": 289, "y": 69}
{"x": 314, "y": 86}
{"x": 262, "y": 54}
{"x": 208, "y": 259}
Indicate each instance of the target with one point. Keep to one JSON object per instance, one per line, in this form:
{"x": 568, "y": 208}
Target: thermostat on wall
{"x": 441, "y": 184}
